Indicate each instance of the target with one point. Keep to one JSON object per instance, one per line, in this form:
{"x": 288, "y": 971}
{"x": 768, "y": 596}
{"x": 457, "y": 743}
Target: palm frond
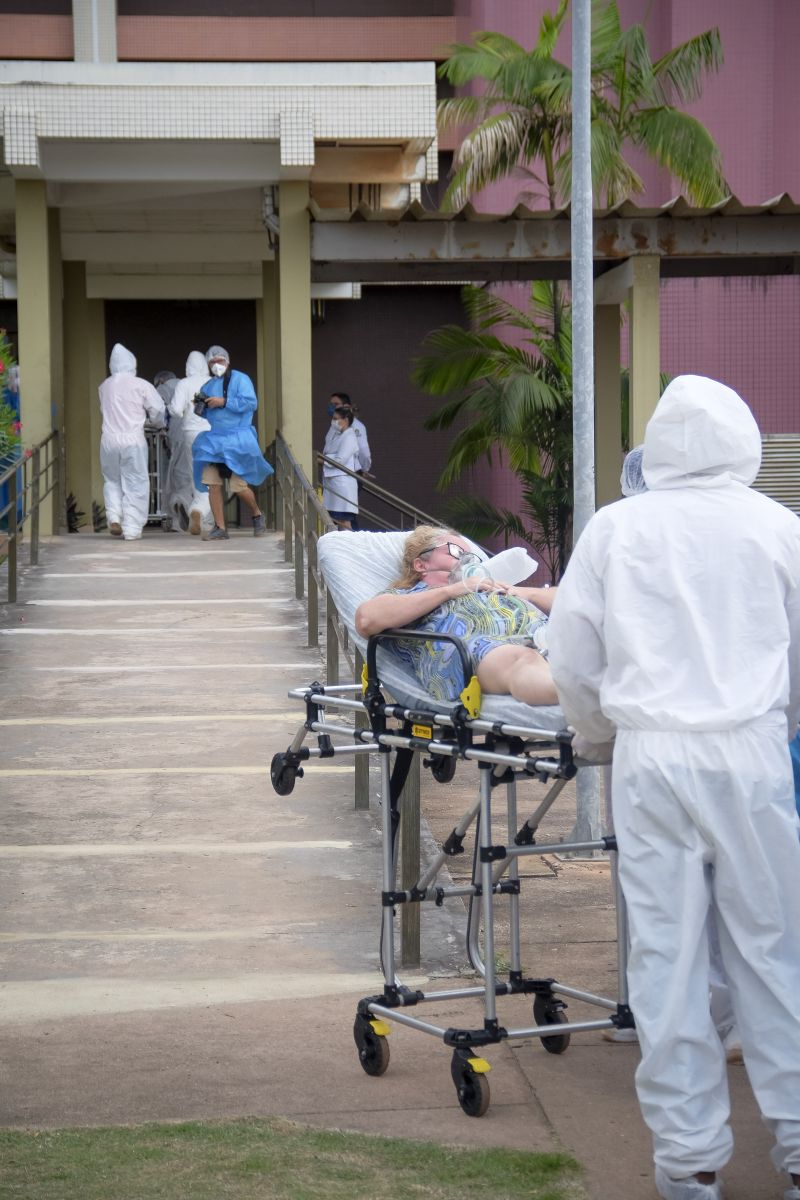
{"x": 453, "y": 358}
{"x": 488, "y": 153}
{"x": 481, "y": 519}
{"x": 681, "y": 69}
{"x": 479, "y": 59}
{"x": 550, "y": 28}
{"x": 459, "y": 110}
{"x": 684, "y": 146}
{"x": 606, "y": 30}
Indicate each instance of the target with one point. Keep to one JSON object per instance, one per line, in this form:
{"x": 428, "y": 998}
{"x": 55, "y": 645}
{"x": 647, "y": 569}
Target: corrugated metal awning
{"x": 779, "y": 476}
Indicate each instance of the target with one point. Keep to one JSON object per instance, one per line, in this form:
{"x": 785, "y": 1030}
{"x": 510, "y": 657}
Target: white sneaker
{"x": 685, "y": 1189}
{"x": 620, "y": 1035}
{"x": 732, "y": 1045}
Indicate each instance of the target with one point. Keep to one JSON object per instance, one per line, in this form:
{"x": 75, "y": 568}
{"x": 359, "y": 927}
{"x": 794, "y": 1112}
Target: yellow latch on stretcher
{"x": 364, "y": 678}
{"x": 479, "y": 1065}
{"x": 471, "y": 697}
{"x": 380, "y": 1028}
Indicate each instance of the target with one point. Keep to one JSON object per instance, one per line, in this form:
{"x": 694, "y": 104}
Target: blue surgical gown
{"x": 231, "y": 439}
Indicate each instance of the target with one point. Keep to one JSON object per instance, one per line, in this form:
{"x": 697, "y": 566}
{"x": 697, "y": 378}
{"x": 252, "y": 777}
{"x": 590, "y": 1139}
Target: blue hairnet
{"x": 631, "y": 481}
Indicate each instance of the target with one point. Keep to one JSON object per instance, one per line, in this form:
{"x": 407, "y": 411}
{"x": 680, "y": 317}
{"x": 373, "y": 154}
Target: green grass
{"x": 266, "y": 1160}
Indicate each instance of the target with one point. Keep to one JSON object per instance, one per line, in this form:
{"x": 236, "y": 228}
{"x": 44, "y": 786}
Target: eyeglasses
{"x": 453, "y": 550}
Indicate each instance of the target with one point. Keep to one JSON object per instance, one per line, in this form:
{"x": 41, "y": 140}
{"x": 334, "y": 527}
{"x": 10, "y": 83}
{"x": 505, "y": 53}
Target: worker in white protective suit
{"x": 677, "y": 628}
{"x": 191, "y": 506}
{"x": 126, "y": 402}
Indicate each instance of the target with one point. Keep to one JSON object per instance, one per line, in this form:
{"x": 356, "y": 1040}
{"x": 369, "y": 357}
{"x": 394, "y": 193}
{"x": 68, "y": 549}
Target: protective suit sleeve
{"x": 364, "y": 453}
{"x": 153, "y": 404}
{"x": 793, "y": 613}
{"x": 577, "y": 655}
{"x": 180, "y": 400}
{"x": 241, "y": 394}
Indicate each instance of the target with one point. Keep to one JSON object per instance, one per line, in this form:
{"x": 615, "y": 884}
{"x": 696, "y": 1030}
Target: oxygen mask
{"x": 470, "y": 570}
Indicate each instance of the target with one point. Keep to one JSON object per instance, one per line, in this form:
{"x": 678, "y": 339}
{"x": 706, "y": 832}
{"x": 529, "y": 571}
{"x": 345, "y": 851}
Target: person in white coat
{"x": 677, "y": 629}
{"x": 126, "y": 402}
{"x": 340, "y": 491}
{"x": 190, "y": 506}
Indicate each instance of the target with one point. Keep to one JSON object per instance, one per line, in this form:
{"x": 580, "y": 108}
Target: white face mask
{"x": 218, "y": 369}
{"x": 334, "y": 424}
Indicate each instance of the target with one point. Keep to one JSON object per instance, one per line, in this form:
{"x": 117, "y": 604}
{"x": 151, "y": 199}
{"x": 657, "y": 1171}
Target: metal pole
{"x": 587, "y": 826}
{"x": 410, "y": 864}
{"x": 13, "y": 537}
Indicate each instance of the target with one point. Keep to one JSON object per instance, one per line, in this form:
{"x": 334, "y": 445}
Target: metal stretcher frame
{"x": 158, "y": 461}
{"x": 505, "y": 753}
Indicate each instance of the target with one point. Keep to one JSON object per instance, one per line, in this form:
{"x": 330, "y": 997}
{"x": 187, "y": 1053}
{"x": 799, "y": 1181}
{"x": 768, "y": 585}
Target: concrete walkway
{"x": 179, "y": 942}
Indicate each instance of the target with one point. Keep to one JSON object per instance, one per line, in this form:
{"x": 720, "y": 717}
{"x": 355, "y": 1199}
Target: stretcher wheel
{"x": 547, "y": 1011}
{"x": 373, "y": 1048}
{"x": 472, "y": 1088}
{"x": 283, "y": 776}
{"x": 443, "y": 768}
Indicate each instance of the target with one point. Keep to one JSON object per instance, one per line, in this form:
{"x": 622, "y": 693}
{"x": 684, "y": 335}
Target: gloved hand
{"x": 596, "y": 754}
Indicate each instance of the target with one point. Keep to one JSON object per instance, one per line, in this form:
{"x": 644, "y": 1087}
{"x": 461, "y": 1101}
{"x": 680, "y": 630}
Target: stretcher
{"x": 509, "y": 743}
{"x": 157, "y": 464}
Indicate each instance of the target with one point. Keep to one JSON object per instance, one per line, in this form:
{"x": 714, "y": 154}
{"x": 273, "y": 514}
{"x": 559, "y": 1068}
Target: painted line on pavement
{"x": 230, "y": 631}
{"x": 290, "y": 666}
{"x": 147, "y": 600}
{"x": 197, "y": 719}
{"x": 161, "y": 935}
{"x": 137, "y": 849}
{"x": 89, "y": 772}
{"x": 156, "y": 574}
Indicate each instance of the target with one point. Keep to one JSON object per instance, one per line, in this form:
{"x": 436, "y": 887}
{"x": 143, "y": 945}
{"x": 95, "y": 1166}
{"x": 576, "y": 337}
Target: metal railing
{"x": 28, "y": 481}
{"x": 293, "y": 507}
{"x": 408, "y": 517}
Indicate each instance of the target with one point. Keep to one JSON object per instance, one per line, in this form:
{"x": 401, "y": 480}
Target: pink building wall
{"x": 745, "y": 331}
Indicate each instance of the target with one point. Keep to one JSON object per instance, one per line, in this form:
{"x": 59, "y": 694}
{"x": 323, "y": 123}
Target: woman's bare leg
{"x": 518, "y": 671}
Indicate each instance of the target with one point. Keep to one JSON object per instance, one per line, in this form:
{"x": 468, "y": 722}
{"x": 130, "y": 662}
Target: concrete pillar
{"x": 269, "y": 342}
{"x": 608, "y": 416}
{"x": 94, "y": 30}
{"x": 57, "y": 357}
{"x": 645, "y": 344}
{"x": 294, "y": 273}
{"x": 84, "y": 369}
{"x": 34, "y": 317}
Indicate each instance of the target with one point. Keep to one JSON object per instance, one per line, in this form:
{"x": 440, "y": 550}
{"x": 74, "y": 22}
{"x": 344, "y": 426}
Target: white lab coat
{"x": 364, "y": 452}
{"x": 677, "y": 624}
{"x": 126, "y": 402}
{"x": 181, "y": 407}
{"x": 340, "y": 491}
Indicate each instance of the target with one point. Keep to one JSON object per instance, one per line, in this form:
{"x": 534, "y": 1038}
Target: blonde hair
{"x": 424, "y": 537}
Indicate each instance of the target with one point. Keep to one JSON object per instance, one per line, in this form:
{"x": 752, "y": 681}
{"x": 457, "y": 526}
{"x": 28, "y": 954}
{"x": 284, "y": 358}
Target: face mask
{"x": 334, "y": 424}
{"x": 332, "y": 409}
{"x": 218, "y": 369}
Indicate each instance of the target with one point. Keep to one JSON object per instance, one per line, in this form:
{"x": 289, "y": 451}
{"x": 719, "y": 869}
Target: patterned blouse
{"x": 483, "y": 620}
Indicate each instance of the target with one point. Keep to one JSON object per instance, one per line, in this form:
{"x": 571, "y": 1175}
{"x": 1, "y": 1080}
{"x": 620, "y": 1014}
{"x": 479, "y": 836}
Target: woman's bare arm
{"x": 390, "y": 610}
{"x": 542, "y": 597}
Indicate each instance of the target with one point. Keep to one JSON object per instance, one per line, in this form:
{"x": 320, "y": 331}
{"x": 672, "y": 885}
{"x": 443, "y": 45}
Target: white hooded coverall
{"x": 677, "y": 624}
{"x": 126, "y": 402}
{"x": 182, "y": 408}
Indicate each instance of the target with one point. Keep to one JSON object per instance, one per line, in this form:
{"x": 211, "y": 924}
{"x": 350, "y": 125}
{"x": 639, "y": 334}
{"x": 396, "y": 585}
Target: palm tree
{"x": 524, "y": 112}
{"x": 518, "y": 405}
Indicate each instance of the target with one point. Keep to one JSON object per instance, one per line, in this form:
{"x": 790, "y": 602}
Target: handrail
{"x": 24, "y": 478}
{"x": 295, "y": 508}
{"x": 416, "y": 516}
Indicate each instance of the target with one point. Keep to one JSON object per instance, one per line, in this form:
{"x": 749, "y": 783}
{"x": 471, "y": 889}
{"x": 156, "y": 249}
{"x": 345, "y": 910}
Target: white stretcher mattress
{"x": 357, "y": 566}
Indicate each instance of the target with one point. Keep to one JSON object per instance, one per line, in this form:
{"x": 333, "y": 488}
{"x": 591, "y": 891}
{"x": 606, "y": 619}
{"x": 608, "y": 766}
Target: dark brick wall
{"x": 365, "y": 347}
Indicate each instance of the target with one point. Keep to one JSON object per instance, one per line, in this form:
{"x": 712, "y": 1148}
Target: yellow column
{"x": 608, "y": 416}
{"x": 57, "y": 358}
{"x": 84, "y": 369}
{"x": 34, "y": 318}
{"x": 645, "y": 344}
{"x": 270, "y": 341}
{"x": 294, "y": 273}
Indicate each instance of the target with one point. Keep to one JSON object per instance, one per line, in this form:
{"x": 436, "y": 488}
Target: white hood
{"x": 196, "y": 363}
{"x": 702, "y": 434}
{"x": 121, "y": 362}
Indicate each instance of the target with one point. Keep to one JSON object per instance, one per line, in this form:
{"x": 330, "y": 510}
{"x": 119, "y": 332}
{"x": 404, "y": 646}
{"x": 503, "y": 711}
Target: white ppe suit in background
{"x": 677, "y": 623}
{"x": 184, "y": 495}
{"x": 126, "y": 402}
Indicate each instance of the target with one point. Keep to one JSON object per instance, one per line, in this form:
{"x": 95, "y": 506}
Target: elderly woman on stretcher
{"x": 444, "y": 588}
